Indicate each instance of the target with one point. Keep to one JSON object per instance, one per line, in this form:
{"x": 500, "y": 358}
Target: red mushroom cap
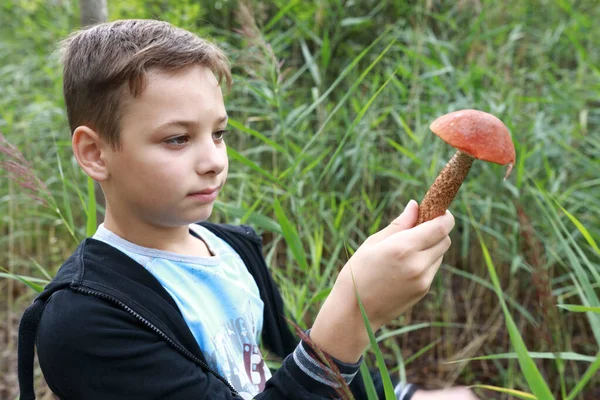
{"x": 477, "y": 133}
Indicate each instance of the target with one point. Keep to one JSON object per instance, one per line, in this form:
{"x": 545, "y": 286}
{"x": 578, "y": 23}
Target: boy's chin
{"x": 205, "y": 215}
{"x": 187, "y": 218}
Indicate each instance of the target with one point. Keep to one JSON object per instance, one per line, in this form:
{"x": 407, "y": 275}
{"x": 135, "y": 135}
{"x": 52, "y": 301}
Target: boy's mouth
{"x": 206, "y": 195}
{"x": 206, "y": 191}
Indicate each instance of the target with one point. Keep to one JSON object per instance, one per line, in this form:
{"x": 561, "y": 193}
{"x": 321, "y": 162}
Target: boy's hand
{"x": 392, "y": 269}
{"x": 455, "y": 393}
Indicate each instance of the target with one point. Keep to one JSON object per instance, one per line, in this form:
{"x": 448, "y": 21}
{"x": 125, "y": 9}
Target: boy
{"x": 157, "y": 305}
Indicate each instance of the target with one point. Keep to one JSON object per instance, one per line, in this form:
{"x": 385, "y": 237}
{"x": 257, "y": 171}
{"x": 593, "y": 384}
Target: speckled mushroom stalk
{"x": 444, "y": 189}
{"x": 476, "y": 135}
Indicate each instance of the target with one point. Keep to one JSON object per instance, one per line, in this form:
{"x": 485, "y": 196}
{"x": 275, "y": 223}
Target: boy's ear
{"x": 89, "y": 150}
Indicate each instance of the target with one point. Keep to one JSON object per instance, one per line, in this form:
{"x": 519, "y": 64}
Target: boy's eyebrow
{"x": 187, "y": 123}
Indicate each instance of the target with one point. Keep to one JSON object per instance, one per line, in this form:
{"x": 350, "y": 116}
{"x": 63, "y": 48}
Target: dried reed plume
{"x": 327, "y": 365}
{"x": 541, "y": 278}
{"x": 254, "y": 58}
{"x": 20, "y": 171}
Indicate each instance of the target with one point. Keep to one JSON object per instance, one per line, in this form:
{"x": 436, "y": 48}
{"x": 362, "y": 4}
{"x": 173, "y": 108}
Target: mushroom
{"x": 475, "y": 134}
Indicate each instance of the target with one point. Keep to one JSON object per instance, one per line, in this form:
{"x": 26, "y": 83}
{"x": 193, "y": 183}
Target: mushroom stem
{"x": 446, "y": 185}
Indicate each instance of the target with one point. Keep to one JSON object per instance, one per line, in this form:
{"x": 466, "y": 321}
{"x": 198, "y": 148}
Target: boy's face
{"x": 172, "y": 148}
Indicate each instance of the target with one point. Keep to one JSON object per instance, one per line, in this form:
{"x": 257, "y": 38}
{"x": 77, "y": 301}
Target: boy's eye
{"x": 219, "y": 135}
{"x": 178, "y": 140}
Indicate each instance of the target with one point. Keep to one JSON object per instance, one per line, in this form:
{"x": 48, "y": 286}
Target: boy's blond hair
{"x": 103, "y": 62}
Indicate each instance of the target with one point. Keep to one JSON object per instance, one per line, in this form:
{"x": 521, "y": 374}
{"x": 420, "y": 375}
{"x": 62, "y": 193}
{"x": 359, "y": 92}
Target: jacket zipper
{"x": 159, "y": 333}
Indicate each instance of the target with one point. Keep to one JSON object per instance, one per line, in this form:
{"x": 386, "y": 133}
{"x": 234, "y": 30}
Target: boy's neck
{"x": 176, "y": 240}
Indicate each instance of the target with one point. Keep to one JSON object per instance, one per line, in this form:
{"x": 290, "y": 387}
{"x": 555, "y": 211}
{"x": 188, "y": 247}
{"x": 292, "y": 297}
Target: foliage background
{"x": 330, "y": 111}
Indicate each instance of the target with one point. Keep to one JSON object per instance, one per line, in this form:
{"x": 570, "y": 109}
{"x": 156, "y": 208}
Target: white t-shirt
{"x": 219, "y": 301}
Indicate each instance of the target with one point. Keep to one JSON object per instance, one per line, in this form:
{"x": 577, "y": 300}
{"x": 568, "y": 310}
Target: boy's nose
{"x": 211, "y": 159}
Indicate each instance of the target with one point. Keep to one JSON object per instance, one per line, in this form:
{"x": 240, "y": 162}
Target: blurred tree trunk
{"x": 94, "y": 12}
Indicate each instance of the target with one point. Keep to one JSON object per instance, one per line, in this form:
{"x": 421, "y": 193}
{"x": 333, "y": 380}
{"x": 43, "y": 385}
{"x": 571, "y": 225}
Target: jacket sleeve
{"x": 90, "y": 349}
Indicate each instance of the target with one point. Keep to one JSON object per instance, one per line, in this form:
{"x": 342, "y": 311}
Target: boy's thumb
{"x": 406, "y": 220}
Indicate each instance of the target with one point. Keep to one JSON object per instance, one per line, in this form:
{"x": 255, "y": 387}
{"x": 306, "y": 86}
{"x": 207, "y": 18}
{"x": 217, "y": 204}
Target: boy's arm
{"x": 391, "y": 271}
{"x": 455, "y": 393}
{"x": 89, "y": 349}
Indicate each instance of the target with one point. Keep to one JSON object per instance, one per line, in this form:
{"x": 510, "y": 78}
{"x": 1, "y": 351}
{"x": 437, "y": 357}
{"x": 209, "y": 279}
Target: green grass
{"x": 330, "y": 111}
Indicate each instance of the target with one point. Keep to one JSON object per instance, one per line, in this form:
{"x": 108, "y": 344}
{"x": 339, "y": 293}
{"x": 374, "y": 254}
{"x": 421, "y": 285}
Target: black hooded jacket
{"x": 105, "y": 328}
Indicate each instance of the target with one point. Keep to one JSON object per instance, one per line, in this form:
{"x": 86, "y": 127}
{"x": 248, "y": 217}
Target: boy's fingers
{"x": 436, "y": 251}
{"x": 433, "y": 269}
{"x": 430, "y": 233}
